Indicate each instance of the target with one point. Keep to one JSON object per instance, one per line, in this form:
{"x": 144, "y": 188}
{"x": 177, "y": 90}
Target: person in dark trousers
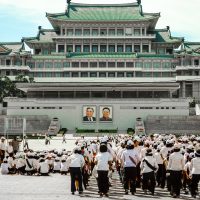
{"x": 176, "y": 166}
{"x": 76, "y": 163}
{"x": 129, "y": 160}
{"x": 103, "y": 160}
{"x": 148, "y": 167}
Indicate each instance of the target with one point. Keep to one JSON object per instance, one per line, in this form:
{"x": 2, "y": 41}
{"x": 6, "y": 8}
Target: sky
{"x": 21, "y": 18}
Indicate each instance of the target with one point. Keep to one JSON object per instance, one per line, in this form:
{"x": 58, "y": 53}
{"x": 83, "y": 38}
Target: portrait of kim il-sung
{"x": 106, "y": 113}
{"x": 89, "y": 113}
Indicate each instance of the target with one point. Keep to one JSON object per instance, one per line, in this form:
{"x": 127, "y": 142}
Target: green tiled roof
{"x": 48, "y": 57}
{"x": 101, "y": 55}
{"x": 106, "y": 12}
{"x": 154, "y": 56}
{"x": 164, "y": 35}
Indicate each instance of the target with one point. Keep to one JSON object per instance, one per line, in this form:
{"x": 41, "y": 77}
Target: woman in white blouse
{"x": 103, "y": 160}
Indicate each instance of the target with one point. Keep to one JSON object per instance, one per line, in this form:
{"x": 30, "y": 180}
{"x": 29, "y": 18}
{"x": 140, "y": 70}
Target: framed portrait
{"x": 105, "y": 113}
{"x": 89, "y": 114}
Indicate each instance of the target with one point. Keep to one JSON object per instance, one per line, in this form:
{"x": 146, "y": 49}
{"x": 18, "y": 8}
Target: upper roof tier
{"x": 103, "y": 12}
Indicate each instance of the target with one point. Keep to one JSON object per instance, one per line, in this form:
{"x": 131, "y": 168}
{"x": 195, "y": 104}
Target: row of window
{"x": 104, "y": 48}
{"x": 141, "y": 108}
{"x": 103, "y": 31}
{"x": 40, "y": 108}
{"x": 102, "y": 74}
{"x": 145, "y": 65}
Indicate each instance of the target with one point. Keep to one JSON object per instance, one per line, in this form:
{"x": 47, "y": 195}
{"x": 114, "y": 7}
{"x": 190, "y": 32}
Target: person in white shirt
{"x": 103, "y": 160}
{"x": 43, "y": 168}
{"x": 2, "y": 149}
{"x": 176, "y": 166}
{"x": 4, "y": 167}
{"x": 64, "y": 167}
{"x": 129, "y": 160}
{"x": 148, "y": 168}
{"x": 76, "y": 163}
{"x": 9, "y": 148}
{"x": 195, "y": 171}
{"x": 56, "y": 165}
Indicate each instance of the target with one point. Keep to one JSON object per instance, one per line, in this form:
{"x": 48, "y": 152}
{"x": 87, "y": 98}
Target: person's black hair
{"x": 88, "y": 108}
{"x": 42, "y": 160}
{"x": 106, "y": 108}
{"x": 176, "y": 150}
{"x": 129, "y": 146}
{"x": 103, "y": 148}
{"x": 76, "y": 151}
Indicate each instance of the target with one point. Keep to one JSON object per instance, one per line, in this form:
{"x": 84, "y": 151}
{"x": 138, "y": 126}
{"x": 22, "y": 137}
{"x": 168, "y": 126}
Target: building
{"x": 102, "y": 57}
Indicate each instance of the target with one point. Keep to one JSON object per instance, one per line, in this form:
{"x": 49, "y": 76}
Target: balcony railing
{"x": 14, "y": 67}
{"x": 105, "y": 36}
{"x": 188, "y": 67}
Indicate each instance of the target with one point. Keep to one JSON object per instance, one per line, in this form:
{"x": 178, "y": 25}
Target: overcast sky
{"x": 20, "y": 18}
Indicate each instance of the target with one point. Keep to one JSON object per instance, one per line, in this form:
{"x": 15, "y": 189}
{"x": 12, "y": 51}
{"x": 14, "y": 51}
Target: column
{"x": 141, "y": 50}
{"x": 149, "y": 46}
{"x": 65, "y": 47}
{"x": 56, "y": 48}
{"x": 183, "y": 89}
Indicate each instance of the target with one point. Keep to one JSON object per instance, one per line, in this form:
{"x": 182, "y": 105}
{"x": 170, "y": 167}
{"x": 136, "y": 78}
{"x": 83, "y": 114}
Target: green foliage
{"x": 85, "y": 130}
{"x": 130, "y": 131}
{"x": 8, "y": 88}
{"x": 107, "y": 130}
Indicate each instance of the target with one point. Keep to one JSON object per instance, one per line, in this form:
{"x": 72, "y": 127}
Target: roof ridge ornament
{"x": 67, "y": 7}
{"x": 139, "y": 2}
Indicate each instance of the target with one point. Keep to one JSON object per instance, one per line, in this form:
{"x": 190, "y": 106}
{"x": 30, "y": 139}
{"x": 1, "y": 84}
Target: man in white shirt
{"x": 76, "y": 163}
{"x": 176, "y": 166}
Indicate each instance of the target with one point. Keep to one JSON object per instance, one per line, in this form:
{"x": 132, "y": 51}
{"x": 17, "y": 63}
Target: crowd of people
{"x": 164, "y": 161}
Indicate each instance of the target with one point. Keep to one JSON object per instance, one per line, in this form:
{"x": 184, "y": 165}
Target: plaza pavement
{"x": 57, "y": 187}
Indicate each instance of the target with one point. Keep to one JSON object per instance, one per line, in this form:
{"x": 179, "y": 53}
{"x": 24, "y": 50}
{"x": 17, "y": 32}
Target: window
{"x": 7, "y": 73}
{"x": 74, "y": 74}
{"x": 137, "y": 31}
{"x": 58, "y": 65}
{"x": 173, "y": 108}
{"x": 128, "y": 31}
{"x": 111, "y": 48}
{"x": 93, "y": 64}
{"x": 93, "y": 74}
{"x": 156, "y": 65}
{"x": 57, "y": 74}
{"x": 45, "y": 51}
{"x": 77, "y": 48}
{"x": 102, "y": 64}
{"x": 156, "y": 74}
{"x": 111, "y": 64}
{"x": 102, "y": 48}
{"x": 128, "y": 48}
{"x": 120, "y": 32}
{"x": 111, "y": 32}
{"x": 169, "y": 50}
{"x": 147, "y": 65}
{"x": 166, "y": 65}
{"x": 63, "y": 31}
{"x": 69, "y": 48}
{"x": 69, "y": 32}
{"x": 31, "y": 65}
{"x": 95, "y": 32}
{"x": 102, "y": 74}
{"x": 86, "y": 48}
{"x": 84, "y": 74}
{"x": 111, "y": 74}
{"x": 120, "y": 64}
{"x": 161, "y": 51}
{"x": 145, "y": 48}
{"x": 138, "y": 64}
{"x": 136, "y": 48}
{"x": 84, "y": 64}
{"x": 196, "y": 62}
{"x": 37, "y": 51}
{"x": 66, "y": 74}
{"x": 120, "y": 48}
{"x": 120, "y": 74}
{"x": 103, "y": 32}
{"x": 129, "y": 74}
{"x": 66, "y": 64}
{"x": 48, "y": 65}
{"x": 86, "y": 32}
{"x": 94, "y": 48}
{"x": 147, "y": 74}
{"x": 78, "y": 32}
{"x": 129, "y": 64}
{"x": 40, "y": 65}
{"x": 75, "y": 64}
{"x": 61, "y": 48}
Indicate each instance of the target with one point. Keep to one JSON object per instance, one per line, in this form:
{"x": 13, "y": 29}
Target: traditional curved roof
{"x": 103, "y": 12}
